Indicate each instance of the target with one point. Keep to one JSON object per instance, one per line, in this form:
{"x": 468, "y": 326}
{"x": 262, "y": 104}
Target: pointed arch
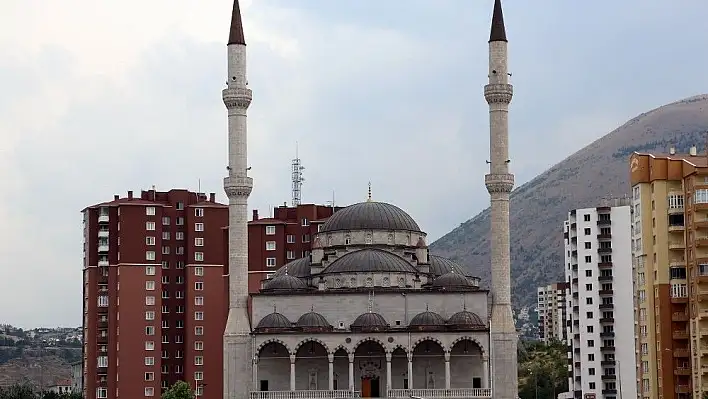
{"x": 400, "y": 346}
{"x": 269, "y": 341}
{"x": 342, "y": 347}
{"x": 470, "y": 339}
{"x": 311, "y": 339}
{"x": 370, "y": 339}
{"x": 428, "y": 338}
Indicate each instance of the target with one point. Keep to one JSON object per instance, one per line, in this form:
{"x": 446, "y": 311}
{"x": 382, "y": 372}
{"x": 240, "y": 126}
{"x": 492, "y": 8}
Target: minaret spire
{"x": 236, "y": 31}
{"x": 498, "y": 31}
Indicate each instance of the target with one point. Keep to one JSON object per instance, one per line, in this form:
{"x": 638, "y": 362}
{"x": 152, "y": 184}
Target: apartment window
{"x": 165, "y": 250}
{"x": 150, "y": 376}
{"x": 199, "y": 256}
{"x": 290, "y": 255}
{"x": 591, "y": 343}
{"x": 270, "y": 230}
{"x": 198, "y": 360}
{"x": 149, "y": 270}
{"x": 149, "y": 330}
{"x": 291, "y": 238}
{"x": 305, "y": 222}
{"x": 150, "y": 211}
{"x": 588, "y": 287}
{"x": 102, "y": 393}
{"x": 149, "y": 391}
{"x": 165, "y": 294}
{"x": 586, "y": 218}
{"x": 149, "y": 345}
{"x": 701, "y": 196}
{"x": 198, "y": 345}
{"x": 200, "y": 389}
{"x": 198, "y": 315}
{"x": 165, "y": 264}
{"x": 150, "y": 315}
{"x": 591, "y": 357}
{"x": 179, "y": 280}
{"x": 588, "y": 273}
{"x": 199, "y": 212}
{"x": 306, "y": 238}
{"x": 179, "y": 339}
{"x": 591, "y": 371}
{"x": 165, "y": 235}
{"x": 180, "y": 309}
{"x": 588, "y": 245}
{"x": 150, "y": 226}
{"x": 198, "y": 375}
{"x": 586, "y": 231}
{"x": 102, "y": 361}
{"x": 198, "y": 226}
{"x": 180, "y": 206}
{"x": 270, "y": 262}
{"x": 591, "y": 385}
{"x": 588, "y": 259}
{"x": 165, "y": 309}
{"x": 198, "y": 330}
{"x": 180, "y": 264}
{"x": 590, "y": 329}
{"x": 180, "y": 221}
{"x": 149, "y": 240}
{"x": 198, "y": 271}
{"x": 179, "y": 236}
{"x": 198, "y": 242}
{"x": 150, "y": 285}
{"x": 178, "y": 369}
{"x": 198, "y": 300}
{"x": 198, "y": 286}
{"x": 149, "y": 300}
{"x": 270, "y": 245}
{"x": 588, "y": 301}
{"x": 165, "y": 339}
{"x": 149, "y": 255}
{"x": 589, "y": 315}
{"x": 165, "y": 324}
{"x": 103, "y": 301}
{"x": 165, "y": 220}
{"x": 179, "y": 294}
{"x": 149, "y": 361}
{"x": 180, "y": 251}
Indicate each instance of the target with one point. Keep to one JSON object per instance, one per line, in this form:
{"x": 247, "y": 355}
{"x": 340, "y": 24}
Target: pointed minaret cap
{"x": 236, "y": 31}
{"x": 498, "y": 33}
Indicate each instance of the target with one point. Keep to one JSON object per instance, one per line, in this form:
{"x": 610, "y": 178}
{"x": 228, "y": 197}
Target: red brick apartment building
{"x": 277, "y": 240}
{"x": 155, "y": 296}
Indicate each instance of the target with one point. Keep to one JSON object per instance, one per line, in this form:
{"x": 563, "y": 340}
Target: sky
{"x": 101, "y": 97}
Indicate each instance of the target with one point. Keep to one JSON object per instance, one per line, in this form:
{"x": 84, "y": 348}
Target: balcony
{"x": 679, "y": 299}
{"x": 683, "y": 389}
{"x": 609, "y": 392}
{"x": 682, "y": 353}
{"x": 102, "y": 339}
{"x": 604, "y": 265}
{"x": 605, "y": 278}
{"x": 607, "y": 334}
{"x": 679, "y": 316}
{"x": 575, "y": 295}
{"x": 604, "y": 222}
{"x": 702, "y": 295}
{"x": 607, "y": 306}
{"x": 605, "y": 250}
{"x": 607, "y": 320}
{"x": 701, "y": 224}
{"x": 573, "y": 226}
{"x": 576, "y": 336}
{"x": 102, "y": 247}
{"x": 677, "y": 245}
{"x": 604, "y": 236}
{"x": 574, "y": 253}
{"x": 576, "y": 309}
{"x": 677, "y": 263}
{"x": 605, "y": 292}
{"x": 607, "y": 348}
{"x": 574, "y": 267}
{"x": 675, "y": 211}
{"x": 680, "y": 335}
{"x": 682, "y": 371}
{"x": 609, "y": 377}
{"x": 103, "y": 263}
{"x": 103, "y": 233}
{"x": 103, "y": 323}
{"x": 102, "y": 218}
{"x": 608, "y": 363}
{"x": 676, "y": 228}
{"x": 575, "y": 281}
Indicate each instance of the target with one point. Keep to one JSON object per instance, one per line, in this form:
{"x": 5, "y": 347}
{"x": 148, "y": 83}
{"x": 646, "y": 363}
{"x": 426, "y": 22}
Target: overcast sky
{"x": 101, "y": 97}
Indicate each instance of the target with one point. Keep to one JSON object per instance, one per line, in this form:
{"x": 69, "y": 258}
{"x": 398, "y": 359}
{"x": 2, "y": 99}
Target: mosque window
{"x": 347, "y": 240}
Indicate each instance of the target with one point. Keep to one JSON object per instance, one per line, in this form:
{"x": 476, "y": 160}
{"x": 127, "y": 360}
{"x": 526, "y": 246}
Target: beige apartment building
{"x": 552, "y": 312}
{"x": 670, "y": 261}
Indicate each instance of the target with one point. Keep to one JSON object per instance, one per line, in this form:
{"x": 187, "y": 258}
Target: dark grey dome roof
{"x": 286, "y": 282}
{"x": 427, "y": 319}
{"x": 370, "y": 260}
{"x": 274, "y": 320}
{"x": 298, "y": 268}
{"x": 467, "y": 319}
{"x": 440, "y": 265}
{"x": 369, "y": 320}
{"x": 313, "y": 319}
{"x": 452, "y": 280}
{"x": 370, "y": 215}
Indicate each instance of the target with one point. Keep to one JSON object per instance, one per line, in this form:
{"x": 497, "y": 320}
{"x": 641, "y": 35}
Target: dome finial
{"x": 275, "y": 308}
{"x": 369, "y": 198}
{"x": 464, "y": 302}
{"x": 371, "y": 301}
{"x": 426, "y": 307}
{"x": 286, "y": 270}
{"x": 312, "y": 308}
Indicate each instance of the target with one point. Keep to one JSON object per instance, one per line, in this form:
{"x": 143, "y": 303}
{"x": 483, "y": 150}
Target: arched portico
{"x": 371, "y": 368}
{"x": 469, "y": 364}
{"x": 273, "y": 361}
{"x": 430, "y": 365}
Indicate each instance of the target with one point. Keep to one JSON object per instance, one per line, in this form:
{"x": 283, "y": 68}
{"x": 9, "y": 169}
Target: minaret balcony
{"x": 237, "y": 97}
{"x": 498, "y": 93}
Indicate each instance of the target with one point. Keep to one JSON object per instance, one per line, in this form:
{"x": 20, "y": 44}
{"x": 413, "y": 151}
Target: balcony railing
{"x": 459, "y": 393}
{"x": 441, "y": 393}
{"x": 679, "y": 316}
{"x": 102, "y": 218}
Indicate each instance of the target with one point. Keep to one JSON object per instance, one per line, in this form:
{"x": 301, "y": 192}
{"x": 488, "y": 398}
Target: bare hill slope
{"x": 539, "y": 207}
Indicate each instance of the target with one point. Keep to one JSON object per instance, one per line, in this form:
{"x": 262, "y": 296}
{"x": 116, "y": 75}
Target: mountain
{"x": 539, "y": 207}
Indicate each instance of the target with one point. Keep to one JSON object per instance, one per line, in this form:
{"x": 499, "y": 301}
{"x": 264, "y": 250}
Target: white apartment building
{"x": 552, "y": 312}
{"x": 598, "y": 268}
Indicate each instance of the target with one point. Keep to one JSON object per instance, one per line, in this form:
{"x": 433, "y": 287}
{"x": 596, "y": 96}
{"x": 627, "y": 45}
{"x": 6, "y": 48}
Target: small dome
{"x": 285, "y": 282}
{"x": 466, "y": 319}
{"x": 299, "y": 268}
{"x": 370, "y": 322}
{"x": 452, "y": 280}
{"x": 370, "y": 215}
{"x": 427, "y": 319}
{"x": 274, "y": 320}
{"x": 440, "y": 265}
{"x": 370, "y": 260}
{"x": 313, "y": 320}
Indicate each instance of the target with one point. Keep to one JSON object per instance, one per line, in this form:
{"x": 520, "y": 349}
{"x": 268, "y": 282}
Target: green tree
{"x": 18, "y": 391}
{"x": 180, "y": 390}
{"x": 542, "y": 370}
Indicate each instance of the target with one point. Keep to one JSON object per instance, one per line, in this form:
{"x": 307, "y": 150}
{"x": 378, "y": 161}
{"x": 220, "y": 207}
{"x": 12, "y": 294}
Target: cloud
{"x": 121, "y": 96}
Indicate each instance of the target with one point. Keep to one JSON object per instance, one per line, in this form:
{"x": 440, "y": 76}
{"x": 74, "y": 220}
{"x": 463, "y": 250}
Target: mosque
{"x": 370, "y": 312}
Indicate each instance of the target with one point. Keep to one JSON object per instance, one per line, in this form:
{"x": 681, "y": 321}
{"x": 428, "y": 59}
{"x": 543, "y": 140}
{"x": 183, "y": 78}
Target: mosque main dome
{"x": 370, "y": 215}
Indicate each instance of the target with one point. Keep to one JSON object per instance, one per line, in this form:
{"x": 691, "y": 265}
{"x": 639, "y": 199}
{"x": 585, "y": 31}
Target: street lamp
{"x": 535, "y": 381}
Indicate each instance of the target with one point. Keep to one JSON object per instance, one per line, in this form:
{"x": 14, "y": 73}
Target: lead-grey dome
{"x": 466, "y": 319}
{"x": 452, "y": 280}
{"x": 370, "y": 260}
{"x": 370, "y": 322}
{"x": 299, "y": 268}
{"x": 274, "y": 320}
{"x": 285, "y": 282}
{"x": 313, "y": 320}
{"x": 440, "y": 265}
{"x": 427, "y": 319}
{"x": 370, "y": 215}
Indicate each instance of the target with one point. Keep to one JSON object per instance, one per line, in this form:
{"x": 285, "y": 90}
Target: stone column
{"x": 447, "y": 370}
{"x": 410, "y": 370}
{"x": 351, "y": 372}
{"x": 292, "y": 372}
{"x": 330, "y": 359}
{"x": 485, "y": 370}
{"x": 256, "y": 386}
{"x": 389, "y": 384}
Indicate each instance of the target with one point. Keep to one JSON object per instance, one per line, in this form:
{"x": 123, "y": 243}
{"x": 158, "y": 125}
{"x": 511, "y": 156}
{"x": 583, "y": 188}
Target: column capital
{"x": 292, "y": 359}
{"x": 485, "y": 357}
{"x": 255, "y": 359}
{"x": 351, "y": 357}
{"x": 409, "y": 355}
{"x": 330, "y": 357}
{"x": 389, "y": 355}
{"x": 447, "y": 356}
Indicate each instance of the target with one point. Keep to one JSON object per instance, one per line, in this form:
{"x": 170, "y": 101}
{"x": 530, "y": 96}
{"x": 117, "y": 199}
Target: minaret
{"x": 499, "y": 183}
{"x": 238, "y": 352}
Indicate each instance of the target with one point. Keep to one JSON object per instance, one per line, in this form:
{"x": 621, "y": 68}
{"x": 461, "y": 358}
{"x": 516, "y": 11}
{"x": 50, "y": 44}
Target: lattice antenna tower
{"x": 297, "y": 178}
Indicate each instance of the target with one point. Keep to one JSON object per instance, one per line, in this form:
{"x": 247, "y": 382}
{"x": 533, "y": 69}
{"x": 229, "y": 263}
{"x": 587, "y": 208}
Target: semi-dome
{"x": 274, "y": 321}
{"x": 370, "y": 322}
{"x": 427, "y": 319}
{"x": 313, "y": 320}
{"x": 299, "y": 268}
{"x": 370, "y": 260}
{"x": 440, "y": 265}
{"x": 370, "y": 215}
{"x": 466, "y": 319}
{"x": 285, "y": 282}
{"x": 452, "y": 280}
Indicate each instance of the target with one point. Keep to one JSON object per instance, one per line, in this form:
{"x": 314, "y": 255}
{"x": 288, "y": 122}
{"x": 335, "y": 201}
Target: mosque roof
{"x": 370, "y": 260}
{"x": 452, "y": 280}
{"x": 370, "y": 320}
{"x": 370, "y": 215}
{"x": 427, "y": 319}
{"x": 313, "y": 320}
{"x": 299, "y": 268}
{"x": 285, "y": 282}
{"x": 466, "y": 319}
{"x": 274, "y": 320}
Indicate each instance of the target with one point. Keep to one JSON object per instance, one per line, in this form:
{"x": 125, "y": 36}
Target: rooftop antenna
{"x": 297, "y": 178}
{"x": 331, "y": 203}
{"x": 199, "y": 187}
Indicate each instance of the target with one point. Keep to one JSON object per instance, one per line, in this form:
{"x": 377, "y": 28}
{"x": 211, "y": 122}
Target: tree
{"x": 543, "y": 369}
{"x": 180, "y": 390}
{"x": 18, "y": 391}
